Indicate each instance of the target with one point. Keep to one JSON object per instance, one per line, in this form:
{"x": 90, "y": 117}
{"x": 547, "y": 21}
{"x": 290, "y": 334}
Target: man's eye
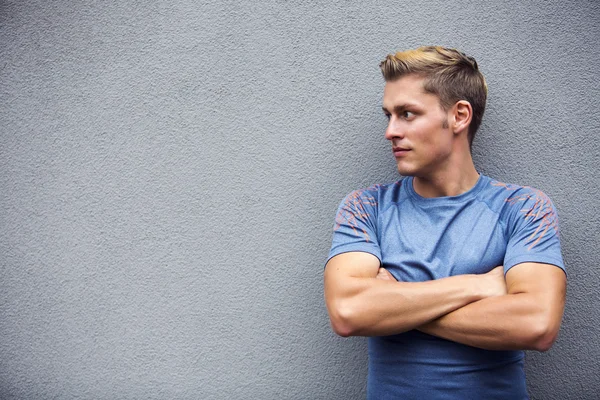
{"x": 387, "y": 116}
{"x": 407, "y": 114}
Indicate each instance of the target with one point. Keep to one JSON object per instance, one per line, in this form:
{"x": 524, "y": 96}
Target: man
{"x": 450, "y": 273}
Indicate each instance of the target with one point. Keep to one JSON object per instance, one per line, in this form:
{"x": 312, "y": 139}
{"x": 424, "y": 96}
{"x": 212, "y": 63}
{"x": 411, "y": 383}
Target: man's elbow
{"x": 341, "y": 329}
{"x": 544, "y": 342}
{"x": 342, "y": 318}
{"x": 544, "y": 335}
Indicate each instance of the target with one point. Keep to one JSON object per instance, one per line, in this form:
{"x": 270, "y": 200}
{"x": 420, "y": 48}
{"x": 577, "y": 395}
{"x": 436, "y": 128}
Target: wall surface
{"x": 170, "y": 170}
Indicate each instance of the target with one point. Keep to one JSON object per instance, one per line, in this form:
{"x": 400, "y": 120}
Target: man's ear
{"x": 463, "y": 114}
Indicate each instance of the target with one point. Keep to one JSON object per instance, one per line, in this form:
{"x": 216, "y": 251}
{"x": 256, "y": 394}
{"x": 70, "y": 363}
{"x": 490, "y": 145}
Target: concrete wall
{"x": 170, "y": 170}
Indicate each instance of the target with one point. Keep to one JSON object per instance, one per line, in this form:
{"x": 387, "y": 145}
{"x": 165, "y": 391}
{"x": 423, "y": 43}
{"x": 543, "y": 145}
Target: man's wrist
{"x": 475, "y": 289}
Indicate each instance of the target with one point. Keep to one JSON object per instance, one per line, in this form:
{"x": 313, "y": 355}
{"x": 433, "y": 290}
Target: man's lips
{"x": 399, "y": 151}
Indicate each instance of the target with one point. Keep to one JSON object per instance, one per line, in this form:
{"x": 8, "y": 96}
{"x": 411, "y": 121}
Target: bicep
{"x": 358, "y": 264}
{"x": 342, "y": 269}
{"x": 544, "y": 281}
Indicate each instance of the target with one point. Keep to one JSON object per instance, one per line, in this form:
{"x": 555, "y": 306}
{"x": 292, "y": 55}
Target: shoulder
{"x": 503, "y": 194}
{"x": 363, "y": 204}
{"x": 523, "y": 205}
{"x": 373, "y": 195}
{"x": 531, "y": 225}
{"x": 517, "y": 194}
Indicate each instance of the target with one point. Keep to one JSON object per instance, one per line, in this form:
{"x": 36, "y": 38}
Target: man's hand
{"x": 493, "y": 282}
{"x": 385, "y": 275}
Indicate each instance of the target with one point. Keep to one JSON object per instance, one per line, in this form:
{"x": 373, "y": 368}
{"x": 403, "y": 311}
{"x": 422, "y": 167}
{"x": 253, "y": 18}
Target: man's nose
{"x": 394, "y": 130}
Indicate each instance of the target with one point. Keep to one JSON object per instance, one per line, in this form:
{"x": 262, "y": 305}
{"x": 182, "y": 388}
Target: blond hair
{"x": 449, "y": 74}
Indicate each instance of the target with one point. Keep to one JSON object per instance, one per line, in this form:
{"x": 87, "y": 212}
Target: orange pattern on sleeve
{"x": 353, "y": 210}
{"x": 541, "y": 210}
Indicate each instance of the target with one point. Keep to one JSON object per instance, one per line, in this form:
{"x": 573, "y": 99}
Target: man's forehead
{"x": 408, "y": 89}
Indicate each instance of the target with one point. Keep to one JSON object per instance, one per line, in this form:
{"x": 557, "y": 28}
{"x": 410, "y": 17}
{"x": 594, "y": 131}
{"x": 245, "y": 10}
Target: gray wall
{"x": 169, "y": 174}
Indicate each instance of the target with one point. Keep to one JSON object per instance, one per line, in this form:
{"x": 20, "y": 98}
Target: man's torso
{"x": 419, "y": 239}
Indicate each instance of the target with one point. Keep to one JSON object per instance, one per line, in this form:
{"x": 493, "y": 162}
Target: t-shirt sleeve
{"x": 355, "y": 227}
{"x": 533, "y": 230}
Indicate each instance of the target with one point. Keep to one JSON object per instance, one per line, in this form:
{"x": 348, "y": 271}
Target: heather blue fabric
{"x": 419, "y": 239}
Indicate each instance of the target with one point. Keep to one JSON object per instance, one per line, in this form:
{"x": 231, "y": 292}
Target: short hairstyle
{"x": 449, "y": 74}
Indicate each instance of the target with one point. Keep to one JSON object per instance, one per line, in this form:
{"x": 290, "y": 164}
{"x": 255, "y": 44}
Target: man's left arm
{"x": 528, "y": 317}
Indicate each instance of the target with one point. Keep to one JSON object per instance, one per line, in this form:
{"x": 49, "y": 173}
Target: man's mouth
{"x": 400, "y": 151}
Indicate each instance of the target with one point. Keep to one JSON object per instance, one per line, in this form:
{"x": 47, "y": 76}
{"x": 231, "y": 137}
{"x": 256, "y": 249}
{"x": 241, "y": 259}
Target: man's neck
{"x": 455, "y": 179}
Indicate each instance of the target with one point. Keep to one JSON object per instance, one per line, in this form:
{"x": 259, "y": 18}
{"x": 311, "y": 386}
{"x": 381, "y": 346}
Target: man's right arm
{"x": 361, "y": 305}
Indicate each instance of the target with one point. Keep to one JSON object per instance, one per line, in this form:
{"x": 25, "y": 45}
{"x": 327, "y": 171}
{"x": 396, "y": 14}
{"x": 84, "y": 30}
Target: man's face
{"x": 417, "y": 128}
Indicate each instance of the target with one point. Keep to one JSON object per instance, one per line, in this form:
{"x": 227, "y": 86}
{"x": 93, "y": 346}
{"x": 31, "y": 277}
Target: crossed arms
{"x": 521, "y": 311}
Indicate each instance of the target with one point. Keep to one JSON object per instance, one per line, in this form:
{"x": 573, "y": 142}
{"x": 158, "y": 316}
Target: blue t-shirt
{"x": 419, "y": 239}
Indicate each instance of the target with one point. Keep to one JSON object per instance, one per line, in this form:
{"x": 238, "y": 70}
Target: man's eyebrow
{"x": 398, "y": 109}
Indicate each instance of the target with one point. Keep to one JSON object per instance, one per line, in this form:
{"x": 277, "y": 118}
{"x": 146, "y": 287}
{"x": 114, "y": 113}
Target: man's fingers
{"x": 385, "y": 275}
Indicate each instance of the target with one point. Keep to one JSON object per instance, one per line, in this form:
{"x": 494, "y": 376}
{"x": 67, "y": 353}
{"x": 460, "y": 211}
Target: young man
{"x": 451, "y": 274}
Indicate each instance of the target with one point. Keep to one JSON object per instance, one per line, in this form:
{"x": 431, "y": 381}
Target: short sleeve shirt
{"x": 419, "y": 239}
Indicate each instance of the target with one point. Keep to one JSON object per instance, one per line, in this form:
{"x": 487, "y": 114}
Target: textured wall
{"x": 169, "y": 173}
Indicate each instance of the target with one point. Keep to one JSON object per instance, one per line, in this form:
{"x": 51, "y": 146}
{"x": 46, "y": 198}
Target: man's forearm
{"x": 374, "y": 307}
{"x": 527, "y": 318}
{"x": 366, "y": 300}
{"x": 510, "y": 322}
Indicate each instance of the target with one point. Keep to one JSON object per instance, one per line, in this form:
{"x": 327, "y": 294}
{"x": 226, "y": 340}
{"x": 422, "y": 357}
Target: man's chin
{"x": 404, "y": 171}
